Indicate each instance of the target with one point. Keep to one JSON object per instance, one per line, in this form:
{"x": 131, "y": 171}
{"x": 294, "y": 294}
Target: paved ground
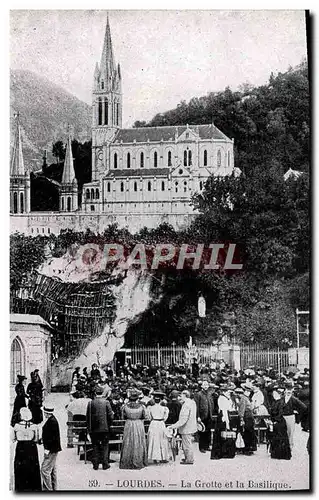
{"x": 257, "y": 472}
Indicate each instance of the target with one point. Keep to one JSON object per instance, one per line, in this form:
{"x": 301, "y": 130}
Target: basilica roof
{"x": 156, "y": 134}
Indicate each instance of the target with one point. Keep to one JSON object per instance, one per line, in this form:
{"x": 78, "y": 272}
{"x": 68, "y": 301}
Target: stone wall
{"x": 32, "y": 339}
{"x": 45, "y": 223}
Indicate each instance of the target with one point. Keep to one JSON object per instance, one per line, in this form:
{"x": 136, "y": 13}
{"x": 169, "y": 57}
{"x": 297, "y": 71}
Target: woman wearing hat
{"x": 225, "y": 407}
{"x": 133, "y": 452}
{"x": 277, "y": 434}
{"x": 157, "y": 438}
{"x": 35, "y": 393}
{"x": 247, "y": 422}
{"x": 26, "y": 461}
{"x": 20, "y": 399}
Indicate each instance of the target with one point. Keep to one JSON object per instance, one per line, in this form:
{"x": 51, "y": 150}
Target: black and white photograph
{"x": 160, "y": 248}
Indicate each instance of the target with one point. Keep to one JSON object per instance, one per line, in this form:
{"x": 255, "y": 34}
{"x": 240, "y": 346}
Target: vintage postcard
{"x": 159, "y": 250}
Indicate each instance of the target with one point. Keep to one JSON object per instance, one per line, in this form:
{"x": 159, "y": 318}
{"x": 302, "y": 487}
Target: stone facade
{"x": 30, "y": 342}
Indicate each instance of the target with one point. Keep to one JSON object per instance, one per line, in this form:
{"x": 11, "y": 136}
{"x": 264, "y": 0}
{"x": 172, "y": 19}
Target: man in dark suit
{"x": 174, "y": 407}
{"x": 99, "y": 417}
{"x": 205, "y": 411}
{"x": 52, "y": 446}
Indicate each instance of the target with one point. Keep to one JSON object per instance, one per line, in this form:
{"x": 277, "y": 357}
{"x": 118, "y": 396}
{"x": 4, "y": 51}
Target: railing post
{"x": 158, "y": 355}
{"x": 173, "y": 346}
{"x": 278, "y": 354}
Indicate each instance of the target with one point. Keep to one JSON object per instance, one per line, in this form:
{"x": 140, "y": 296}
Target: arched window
{"x": 176, "y": 187}
{"x": 189, "y": 158}
{"x": 115, "y": 160}
{"x": 155, "y": 159}
{"x": 106, "y": 112}
{"x": 69, "y": 204}
{"x": 219, "y": 158}
{"x": 185, "y": 186}
{"x": 102, "y": 85}
{"x": 185, "y": 158}
{"x": 16, "y": 365}
{"x": 15, "y": 203}
{"x": 100, "y": 110}
{"x": 149, "y": 186}
{"x": 205, "y": 158}
{"x": 122, "y": 187}
{"x": 228, "y": 158}
{"x": 108, "y": 187}
{"x": 142, "y": 159}
{"x": 87, "y": 194}
{"x": 62, "y": 204}
{"x": 21, "y": 203}
{"x": 128, "y": 160}
{"x": 92, "y": 194}
{"x": 169, "y": 158}
{"x": 135, "y": 186}
{"x": 97, "y": 194}
{"x": 163, "y": 186}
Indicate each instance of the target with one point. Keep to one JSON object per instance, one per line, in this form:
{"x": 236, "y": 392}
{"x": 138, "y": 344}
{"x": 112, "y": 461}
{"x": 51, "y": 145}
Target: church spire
{"x": 107, "y": 65}
{"x": 17, "y": 162}
{"x": 68, "y": 176}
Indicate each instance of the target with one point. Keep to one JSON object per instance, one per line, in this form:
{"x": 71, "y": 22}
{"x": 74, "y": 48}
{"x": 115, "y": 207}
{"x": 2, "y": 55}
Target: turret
{"x": 69, "y": 184}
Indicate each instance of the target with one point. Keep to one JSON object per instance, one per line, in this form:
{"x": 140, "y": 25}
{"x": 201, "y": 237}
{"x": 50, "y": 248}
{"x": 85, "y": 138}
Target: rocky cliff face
{"x": 45, "y": 112}
{"x": 131, "y": 295}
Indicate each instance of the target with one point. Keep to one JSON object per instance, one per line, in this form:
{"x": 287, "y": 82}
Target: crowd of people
{"x": 211, "y": 406}
{"x": 223, "y": 407}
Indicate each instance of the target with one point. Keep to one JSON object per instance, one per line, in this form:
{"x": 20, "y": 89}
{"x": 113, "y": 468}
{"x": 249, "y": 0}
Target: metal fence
{"x": 165, "y": 356}
{"x": 206, "y": 354}
{"x": 264, "y": 358}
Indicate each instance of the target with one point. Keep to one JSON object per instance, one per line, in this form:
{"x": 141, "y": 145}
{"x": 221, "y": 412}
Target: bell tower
{"x": 20, "y": 186}
{"x": 106, "y": 105}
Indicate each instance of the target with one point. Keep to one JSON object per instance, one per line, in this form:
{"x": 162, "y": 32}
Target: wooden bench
{"x": 76, "y": 427}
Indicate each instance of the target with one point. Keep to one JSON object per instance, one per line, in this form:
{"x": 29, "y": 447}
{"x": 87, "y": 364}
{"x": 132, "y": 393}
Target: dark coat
{"x": 174, "y": 407}
{"x": 205, "y": 405}
{"x": 99, "y": 415}
{"x": 51, "y": 435}
{"x": 294, "y": 404}
{"x": 19, "y": 403}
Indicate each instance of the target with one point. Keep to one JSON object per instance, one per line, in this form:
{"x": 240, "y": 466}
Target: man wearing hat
{"x": 187, "y": 426}
{"x": 52, "y": 446}
{"x": 205, "y": 411}
{"x": 99, "y": 417}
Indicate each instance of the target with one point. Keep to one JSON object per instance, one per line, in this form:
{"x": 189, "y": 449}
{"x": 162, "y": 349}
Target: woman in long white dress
{"x": 158, "y": 448}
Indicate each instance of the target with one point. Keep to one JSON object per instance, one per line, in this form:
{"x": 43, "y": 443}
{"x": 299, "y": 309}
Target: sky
{"x": 165, "y": 56}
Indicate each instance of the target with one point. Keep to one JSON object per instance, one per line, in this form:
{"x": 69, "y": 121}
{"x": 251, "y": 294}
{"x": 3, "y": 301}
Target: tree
{"x": 58, "y": 151}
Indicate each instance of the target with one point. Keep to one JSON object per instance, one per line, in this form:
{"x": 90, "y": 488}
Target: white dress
{"x": 158, "y": 448}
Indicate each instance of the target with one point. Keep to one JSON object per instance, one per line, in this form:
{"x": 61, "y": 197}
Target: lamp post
{"x": 299, "y": 313}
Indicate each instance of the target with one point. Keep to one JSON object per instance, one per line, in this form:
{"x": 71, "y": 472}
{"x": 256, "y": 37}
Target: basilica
{"x": 140, "y": 176}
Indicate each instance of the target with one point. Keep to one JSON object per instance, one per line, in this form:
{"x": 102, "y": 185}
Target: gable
{"x": 181, "y": 171}
{"x": 188, "y": 135}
